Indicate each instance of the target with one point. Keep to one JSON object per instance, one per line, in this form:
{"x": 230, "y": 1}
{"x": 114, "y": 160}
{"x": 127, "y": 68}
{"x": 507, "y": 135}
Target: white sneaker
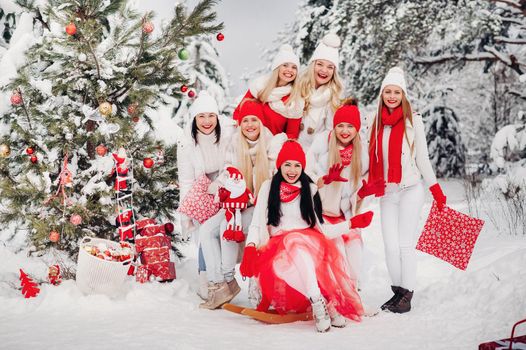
{"x": 202, "y": 289}
{"x": 337, "y": 320}
{"x": 321, "y": 315}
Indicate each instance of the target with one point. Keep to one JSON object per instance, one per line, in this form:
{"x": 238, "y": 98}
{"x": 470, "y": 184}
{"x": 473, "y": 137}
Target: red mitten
{"x": 361, "y": 220}
{"x": 334, "y": 174}
{"x": 223, "y": 194}
{"x": 248, "y": 264}
{"x": 438, "y": 195}
{"x": 376, "y": 187}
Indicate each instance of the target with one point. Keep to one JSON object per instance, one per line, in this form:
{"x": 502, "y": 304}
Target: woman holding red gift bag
{"x": 202, "y": 152}
{"x": 398, "y": 157}
{"x": 291, "y": 251}
{"x": 335, "y": 162}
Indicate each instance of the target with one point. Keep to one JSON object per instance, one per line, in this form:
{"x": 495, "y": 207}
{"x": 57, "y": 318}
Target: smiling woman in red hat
{"x": 295, "y": 263}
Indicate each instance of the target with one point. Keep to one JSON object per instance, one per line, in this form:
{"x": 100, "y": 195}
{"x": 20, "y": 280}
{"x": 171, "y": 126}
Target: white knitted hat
{"x": 327, "y": 49}
{"x": 204, "y": 103}
{"x": 285, "y": 55}
{"x": 395, "y": 76}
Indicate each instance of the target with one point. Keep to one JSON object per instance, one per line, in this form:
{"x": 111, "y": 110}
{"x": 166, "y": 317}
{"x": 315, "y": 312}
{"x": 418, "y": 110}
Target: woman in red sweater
{"x": 279, "y": 94}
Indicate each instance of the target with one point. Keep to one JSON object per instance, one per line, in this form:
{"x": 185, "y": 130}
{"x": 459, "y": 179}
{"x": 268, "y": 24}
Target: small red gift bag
{"x": 198, "y": 204}
{"x": 450, "y": 235}
{"x": 143, "y": 274}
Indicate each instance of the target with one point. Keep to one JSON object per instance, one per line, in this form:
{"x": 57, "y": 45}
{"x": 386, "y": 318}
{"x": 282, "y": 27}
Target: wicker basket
{"x": 99, "y": 276}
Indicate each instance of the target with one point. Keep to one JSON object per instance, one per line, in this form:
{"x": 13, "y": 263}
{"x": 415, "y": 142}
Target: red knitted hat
{"x": 248, "y": 107}
{"x": 291, "y": 150}
{"x": 348, "y": 113}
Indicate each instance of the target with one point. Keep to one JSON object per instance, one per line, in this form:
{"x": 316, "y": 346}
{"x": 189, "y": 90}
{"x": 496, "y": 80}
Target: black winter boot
{"x": 403, "y": 302}
{"x": 388, "y": 303}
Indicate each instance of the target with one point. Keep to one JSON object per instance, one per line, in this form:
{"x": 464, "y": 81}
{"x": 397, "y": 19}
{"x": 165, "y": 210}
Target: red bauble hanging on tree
{"x": 147, "y": 162}
{"x": 29, "y": 288}
{"x": 220, "y": 37}
{"x": 169, "y": 227}
{"x": 34, "y": 159}
{"x": 132, "y": 108}
{"x": 147, "y": 27}
{"x": 16, "y": 99}
{"x": 30, "y": 150}
{"x": 75, "y": 219}
{"x": 135, "y": 119}
{"x": 191, "y": 93}
{"x": 184, "y": 88}
{"x": 54, "y": 236}
{"x": 71, "y": 29}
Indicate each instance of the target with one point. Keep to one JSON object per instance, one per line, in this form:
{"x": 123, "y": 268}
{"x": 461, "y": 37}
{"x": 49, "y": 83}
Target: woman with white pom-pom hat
{"x": 321, "y": 88}
{"x": 279, "y": 94}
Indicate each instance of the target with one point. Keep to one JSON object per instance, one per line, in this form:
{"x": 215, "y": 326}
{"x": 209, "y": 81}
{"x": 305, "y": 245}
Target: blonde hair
{"x": 272, "y": 83}
{"x": 261, "y": 165}
{"x": 356, "y": 157}
{"x": 407, "y": 112}
{"x": 308, "y": 83}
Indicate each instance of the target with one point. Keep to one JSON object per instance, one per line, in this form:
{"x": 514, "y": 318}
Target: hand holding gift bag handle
{"x": 438, "y": 196}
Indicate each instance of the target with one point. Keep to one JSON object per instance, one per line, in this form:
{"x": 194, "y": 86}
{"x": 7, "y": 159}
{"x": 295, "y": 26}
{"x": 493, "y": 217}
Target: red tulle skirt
{"x": 331, "y": 273}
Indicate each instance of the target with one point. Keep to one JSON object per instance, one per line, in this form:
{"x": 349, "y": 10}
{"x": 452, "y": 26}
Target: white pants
{"x": 400, "y": 213}
{"x": 353, "y": 253}
{"x": 220, "y": 255}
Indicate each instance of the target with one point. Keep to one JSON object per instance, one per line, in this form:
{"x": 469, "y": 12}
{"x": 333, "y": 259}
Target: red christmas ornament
{"x": 220, "y": 37}
{"x": 184, "y": 88}
{"x": 169, "y": 227}
{"x": 71, "y": 29}
{"x": 135, "y": 119}
{"x": 30, "y": 150}
{"x": 147, "y": 162}
{"x": 16, "y": 99}
{"x": 191, "y": 93}
{"x": 29, "y": 288}
{"x": 101, "y": 150}
{"x": 75, "y": 219}
{"x": 132, "y": 108}
{"x": 54, "y": 236}
{"x": 34, "y": 159}
{"x": 147, "y": 27}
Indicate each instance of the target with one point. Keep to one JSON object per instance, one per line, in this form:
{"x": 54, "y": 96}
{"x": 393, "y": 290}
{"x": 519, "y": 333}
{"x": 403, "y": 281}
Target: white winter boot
{"x": 321, "y": 315}
{"x": 337, "y": 320}
{"x": 202, "y": 289}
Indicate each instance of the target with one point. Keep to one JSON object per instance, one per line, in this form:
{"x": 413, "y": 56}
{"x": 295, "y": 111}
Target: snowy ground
{"x": 452, "y": 309}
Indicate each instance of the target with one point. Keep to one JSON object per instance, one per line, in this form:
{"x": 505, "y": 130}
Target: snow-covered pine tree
{"x": 446, "y": 150}
{"x": 203, "y": 71}
{"x": 83, "y": 88}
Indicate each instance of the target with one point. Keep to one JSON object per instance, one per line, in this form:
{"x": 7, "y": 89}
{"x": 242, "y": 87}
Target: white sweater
{"x": 259, "y": 232}
{"x": 416, "y": 164}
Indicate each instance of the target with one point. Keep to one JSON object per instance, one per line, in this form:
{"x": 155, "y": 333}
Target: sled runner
{"x": 271, "y": 316}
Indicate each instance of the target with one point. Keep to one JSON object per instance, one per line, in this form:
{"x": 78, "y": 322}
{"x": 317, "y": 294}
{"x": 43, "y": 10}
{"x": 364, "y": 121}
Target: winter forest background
{"x": 465, "y": 63}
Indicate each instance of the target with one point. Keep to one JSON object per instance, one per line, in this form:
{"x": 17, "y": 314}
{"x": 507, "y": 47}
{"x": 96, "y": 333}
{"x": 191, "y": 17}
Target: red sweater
{"x": 276, "y": 122}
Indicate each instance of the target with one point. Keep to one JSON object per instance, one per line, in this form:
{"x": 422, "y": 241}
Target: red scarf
{"x": 394, "y": 158}
{"x": 288, "y": 192}
{"x": 346, "y": 155}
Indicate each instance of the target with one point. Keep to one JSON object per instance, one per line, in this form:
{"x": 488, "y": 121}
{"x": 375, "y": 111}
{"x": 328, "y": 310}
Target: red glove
{"x": 361, "y": 220}
{"x": 223, "y": 194}
{"x": 334, "y": 174}
{"x": 377, "y": 187}
{"x": 438, "y": 196}
{"x": 248, "y": 264}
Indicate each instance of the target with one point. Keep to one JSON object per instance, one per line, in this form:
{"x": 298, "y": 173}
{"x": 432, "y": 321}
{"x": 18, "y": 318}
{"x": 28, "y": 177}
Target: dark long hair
{"x": 310, "y": 207}
{"x": 195, "y": 129}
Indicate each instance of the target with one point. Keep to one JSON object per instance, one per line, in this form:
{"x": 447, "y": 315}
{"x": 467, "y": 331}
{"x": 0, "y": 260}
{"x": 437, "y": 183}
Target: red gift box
{"x": 141, "y": 243}
{"x": 143, "y": 274}
{"x": 508, "y": 343}
{"x": 164, "y": 271}
{"x": 155, "y": 255}
{"x": 152, "y": 230}
{"x": 140, "y": 224}
{"x": 450, "y": 235}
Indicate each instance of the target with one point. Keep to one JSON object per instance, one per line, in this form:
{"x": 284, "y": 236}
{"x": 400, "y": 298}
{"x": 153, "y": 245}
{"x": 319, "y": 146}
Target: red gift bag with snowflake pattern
{"x": 450, "y": 235}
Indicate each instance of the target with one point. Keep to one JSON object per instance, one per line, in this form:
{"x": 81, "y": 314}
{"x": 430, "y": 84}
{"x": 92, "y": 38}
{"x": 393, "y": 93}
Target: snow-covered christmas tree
{"x": 79, "y": 96}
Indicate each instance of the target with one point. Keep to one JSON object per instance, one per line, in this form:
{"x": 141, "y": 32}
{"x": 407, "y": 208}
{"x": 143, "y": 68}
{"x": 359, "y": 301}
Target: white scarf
{"x": 293, "y": 110}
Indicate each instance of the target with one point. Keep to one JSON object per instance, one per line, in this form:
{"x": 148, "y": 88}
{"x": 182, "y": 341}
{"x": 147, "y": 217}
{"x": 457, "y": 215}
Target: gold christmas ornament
{"x": 105, "y": 108}
{"x": 5, "y": 150}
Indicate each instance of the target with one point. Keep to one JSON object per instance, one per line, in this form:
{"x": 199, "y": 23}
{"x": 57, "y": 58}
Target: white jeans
{"x": 220, "y": 255}
{"x": 400, "y": 213}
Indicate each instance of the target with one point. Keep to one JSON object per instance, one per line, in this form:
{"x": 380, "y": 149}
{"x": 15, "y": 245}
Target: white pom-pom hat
{"x": 328, "y": 49}
{"x": 395, "y": 76}
{"x": 204, "y": 103}
{"x": 285, "y": 55}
